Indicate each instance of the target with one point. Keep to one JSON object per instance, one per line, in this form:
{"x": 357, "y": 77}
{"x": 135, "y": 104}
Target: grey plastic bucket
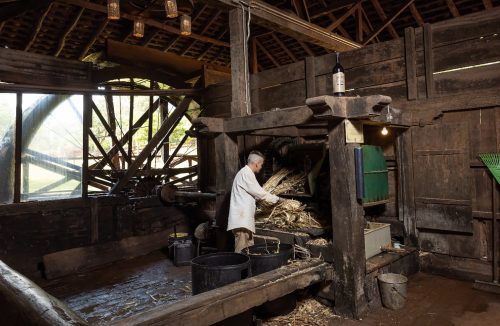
{"x": 393, "y": 290}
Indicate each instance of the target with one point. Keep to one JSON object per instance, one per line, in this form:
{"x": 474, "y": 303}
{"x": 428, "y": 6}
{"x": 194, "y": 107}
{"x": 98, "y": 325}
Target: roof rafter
{"x": 263, "y": 49}
{"x": 93, "y": 39}
{"x": 389, "y": 20}
{"x": 147, "y": 21}
{"x": 383, "y": 17}
{"x": 453, "y": 8}
{"x": 62, "y": 42}
{"x": 416, "y": 14}
{"x": 38, "y": 27}
{"x": 349, "y": 13}
{"x": 273, "y": 18}
{"x": 284, "y": 47}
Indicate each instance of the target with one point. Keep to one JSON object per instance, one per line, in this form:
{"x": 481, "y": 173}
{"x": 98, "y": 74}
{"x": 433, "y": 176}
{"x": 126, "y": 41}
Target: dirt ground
{"x": 432, "y": 300}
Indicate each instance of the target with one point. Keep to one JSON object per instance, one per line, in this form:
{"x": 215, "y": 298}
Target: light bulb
{"x": 384, "y": 131}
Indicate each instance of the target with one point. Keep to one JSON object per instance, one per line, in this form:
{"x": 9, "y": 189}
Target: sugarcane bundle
{"x": 287, "y": 214}
{"x": 308, "y": 312}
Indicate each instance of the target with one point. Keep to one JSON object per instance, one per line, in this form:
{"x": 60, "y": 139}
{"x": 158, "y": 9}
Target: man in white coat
{"x": 245, "y": 191}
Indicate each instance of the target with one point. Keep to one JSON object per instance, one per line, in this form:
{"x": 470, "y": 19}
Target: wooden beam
{"x": 348, "y": 226}
{"x": 38, "y": 27}
{"x": 416, "y": 14}
{"x": 254, "y": 62}
{"x": 487, "y": 4}
{"x": 101, "y": 149}
{"x": 70, "y": 28}
{"x": 341, "y": 29}
{"x": 268, "y": 120}
{"x": 284, "y": 47}
{"x": 346, "y": 15}
{"x": 269, "y": 55}
{"x": 93, "y": 39}
{"x": 406, "y": 195}
{"x": 383, "y": 17}
{"x": 389, "y": 20}
{"x": 212, "y": 306}
{"x": 359, "y": 24}
{"x": 306, "y": 48}
{"x": 157, "y": 138}
{"x": 18, "y": 144}
{"x": 193, "y": 19}
{"x": 25, "y": 303}
{"x": 240, "y": 99}
{"x": 75, "y": 260}
{"x": 109, "y": 130}
{"x": 411, "y": 63}
{"x": 210, "y": 46}
{"x": 332, "y": 7}
{"x": 86, "y": 122}
{"x": 4, "y": 88}
{"x": 17, "y": 8}
{"x": 147, "y": 21}
{"x": 291, "y": 25}
{"x": 203, "y": 31}
{"x": 429, "y": 60}
{"x": 453, "y": 8}
{"x": 128, "y": 135}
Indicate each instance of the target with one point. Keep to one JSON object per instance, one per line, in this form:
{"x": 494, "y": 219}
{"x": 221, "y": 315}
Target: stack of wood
{"x": 289, "y": 213}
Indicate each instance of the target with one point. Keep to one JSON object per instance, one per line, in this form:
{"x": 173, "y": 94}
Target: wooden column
{"x": 411, "y": 63}
{"x": 406, "y": 195}
{"x": 348, "y": 226}
{"x": 226, "y": 146}
{"x": 429, "y": 61}
{"x": 18, "y": 147}
{"x": 87, "y": 122}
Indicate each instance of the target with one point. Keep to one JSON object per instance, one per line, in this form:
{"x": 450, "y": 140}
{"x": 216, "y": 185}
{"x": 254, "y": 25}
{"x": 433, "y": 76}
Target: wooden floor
{"x": 123, "y": 289}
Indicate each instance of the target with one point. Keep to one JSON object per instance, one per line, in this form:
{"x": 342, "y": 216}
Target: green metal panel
{"x": 376, "y": 183}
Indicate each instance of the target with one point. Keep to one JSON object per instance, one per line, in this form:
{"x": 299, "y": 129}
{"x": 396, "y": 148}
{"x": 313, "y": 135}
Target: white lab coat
{"x": 245, "y": 191}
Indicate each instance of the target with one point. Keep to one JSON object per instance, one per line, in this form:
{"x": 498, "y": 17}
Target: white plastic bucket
{"x": 393, "y": 290}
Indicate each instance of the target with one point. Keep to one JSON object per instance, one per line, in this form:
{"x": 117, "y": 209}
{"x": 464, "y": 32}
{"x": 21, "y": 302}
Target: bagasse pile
{"x": 288, "y": 213}
{"x": 308, "y": 312}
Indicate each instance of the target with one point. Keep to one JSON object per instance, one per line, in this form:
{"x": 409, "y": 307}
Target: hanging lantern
{"x": 113, "y": 9}
{"x": 185, "y": 25}
{"x": 171, "y": 8}
{"x": 384, "y": 131}
{"x": 138, "y": 28}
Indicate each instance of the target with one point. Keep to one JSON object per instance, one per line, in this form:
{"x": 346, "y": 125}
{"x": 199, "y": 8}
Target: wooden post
{"x": 429, "y": 61}
{"x": 226, "y": 146}
{"x": 87, "y": 121}
{"x": 411, "y": 63}
{"x": 348, "y": 226}
{"x": 406, "y": 195}
{"x": 310, "y": 77}
{"x": 131, "y": 124}
{"x": 150, "y": 123}
{"x": 18, "y": 147}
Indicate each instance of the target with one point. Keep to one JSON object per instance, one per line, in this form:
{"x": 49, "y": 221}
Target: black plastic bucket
{"x": 183, "y": 253}
{"x": 212, "y": 271}
{"x": 264, "y": 258}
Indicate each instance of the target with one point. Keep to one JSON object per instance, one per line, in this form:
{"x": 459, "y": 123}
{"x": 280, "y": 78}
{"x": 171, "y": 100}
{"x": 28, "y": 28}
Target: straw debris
{"x": 290, "y": 213}
{"x": 308, "y": 312}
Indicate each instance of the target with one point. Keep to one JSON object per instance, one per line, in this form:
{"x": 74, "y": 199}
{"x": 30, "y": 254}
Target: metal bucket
{"x": 393, "y": 290}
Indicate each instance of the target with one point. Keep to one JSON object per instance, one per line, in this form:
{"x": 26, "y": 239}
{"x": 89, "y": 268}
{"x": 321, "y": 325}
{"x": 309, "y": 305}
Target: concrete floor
{"x": 434, "y": 300}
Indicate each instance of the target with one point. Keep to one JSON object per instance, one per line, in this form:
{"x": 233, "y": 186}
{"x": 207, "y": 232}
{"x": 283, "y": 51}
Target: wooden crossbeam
{"x": 147, "y": 21}
{"x": 453, "y": 8}
{"x": 101, "y": 149}
{"x": 359, "y": 24}
{"x": 346, "y": 15}
{"x": 17, "y": 8}
{"x": 269, "y": 55}
{"x": 332, "y": 7}
{"x": 195, "y": 17}
{"x": 275, "y": 19}
{"x": 129, "y": 134}
{"x": 341, "y": 29}
{"x": 210, "y": 46}
{"x": 93, "y": 39}
{"x": 110, "y": 131}
{"x": 168, "y": 124}
{"x": 416, "y": 14}
{"x": 203, "y": 31}
{"x": 212, "y": 306}
{"x": 284, "y": 47}
{"x": 306, "y": 48}
{"x": 38, "y": 27}
{"x": 383, "y": 17}
{"x": 149, "y": 38}
{"x": 389, "y": 20}
{"x": 62, "y": 42}
{"x": 368, "y": 28}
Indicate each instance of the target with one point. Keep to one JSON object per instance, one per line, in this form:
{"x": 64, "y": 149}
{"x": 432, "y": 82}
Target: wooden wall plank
{"x": 411, "y": 63}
